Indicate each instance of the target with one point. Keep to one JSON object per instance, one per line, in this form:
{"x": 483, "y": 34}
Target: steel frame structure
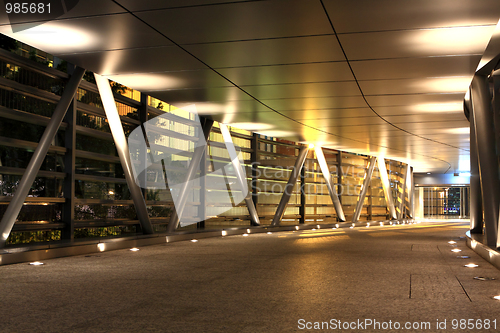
{"x": 68, "y": 102}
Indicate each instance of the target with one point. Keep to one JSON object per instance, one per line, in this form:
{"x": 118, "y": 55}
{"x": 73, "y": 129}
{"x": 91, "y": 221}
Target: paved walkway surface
{"x": 278, "y": 282}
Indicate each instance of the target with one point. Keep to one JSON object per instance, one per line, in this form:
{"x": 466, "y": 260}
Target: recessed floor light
{"x": 36, "y": 263}
{"x": 483, "y": 278}
{"x": 194, "y": 240}
{"x": 269, "y": 233}
{"x": 456, "y": 250}
{"x": 336, "y": 225}
{"x": 471, "y": 265}
{"x": 245, "y": 235}
{"x": 497, "y": 297}
{"x": 296, "y": 227}
{"x": 452, "y": 242}
{"x": 381, "y": 224}
{"x": 101, "y": 247}
{"x": 134, "y": 249}
{"x": 313, "y": 229}
{"x": 224, "y": 232}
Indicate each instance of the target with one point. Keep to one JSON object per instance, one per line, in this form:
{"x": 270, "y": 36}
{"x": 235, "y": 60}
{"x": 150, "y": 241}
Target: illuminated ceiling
{"x": 383, "y": 77}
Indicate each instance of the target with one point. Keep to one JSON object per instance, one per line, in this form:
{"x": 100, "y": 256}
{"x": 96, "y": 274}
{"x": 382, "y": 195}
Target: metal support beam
{"x": 12, "y": 212}
{"x": 255, "y": 168}
{"x": 202, "y": 210}
{"x": 387, "y": 187}
{"x": 476, "y": 200}
{"x": 411, "y": 195}
{"x": 487, "y": 159}
{"x": 303, "y": 198}
{"x": 287, "y": 193}
{"x": 68, "y": 210}
{"x": 364, "y": 188}
{"x": 143, "y": 118}
{"x": 329, "y": 184}
{"x": 402, "y": 206}
{"x": 240, "y": 173}
{"x": 193, "y": 165}
{"x": 120, "y": 140}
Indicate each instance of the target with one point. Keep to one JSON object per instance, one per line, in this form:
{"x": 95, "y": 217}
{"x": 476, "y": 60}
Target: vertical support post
{"x": 487, "y": 158}
{"x": 120, "y": 140}
{"x": 68, "y": 211}
{"x": 195, "y": 162}
{"x": 143, "y": 118}
{"x": 287, "y": 193}
{"x": 402, "y": 205}
{"x": 303, "y": 198}
{"x": 340, "y": 189}
{"x": 387, "y": 187}
{"x": 476, "y": 200}
{"x": 364, "y": 188}
{"x": 462, "y": 208}
{"x": 329, "y": 184}
{"x": 12, "y": 212}
{"x": 255, "y": 168}
{"x": 411, "y": 195}
{"x": 203, "y": 191}
{"x": 240, "y": 173}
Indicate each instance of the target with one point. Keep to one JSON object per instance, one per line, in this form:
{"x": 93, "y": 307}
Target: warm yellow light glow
{"x": 368, "y": 225}
{"x": 276, "y": 133}
{"x": 296, "y": 227}
{"x": 111, "y": 192}
{"x": 438, "y": 107}
{"x": 252, "y": 126}
{"x": 224, "y": 232}
{"x": 336, "y": 225}
{"x": 269, "y": 233}
{"x": 245, "y": 235}
{"x": 248, "y": 231}
{"x": 311, "y": 146}
{"x": 443, "y": 84}
{"x": 101, "y": 247}
{"x": 457, "y": 130}
{"x": 456, "y": 40}
{"x": 147, "y": 82}
{"x": 54, "y": 37}
{"x": 381, "y": 224}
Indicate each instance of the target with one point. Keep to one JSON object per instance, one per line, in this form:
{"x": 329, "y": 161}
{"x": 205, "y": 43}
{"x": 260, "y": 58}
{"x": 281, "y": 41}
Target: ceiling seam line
{"x": 361, "y": 91}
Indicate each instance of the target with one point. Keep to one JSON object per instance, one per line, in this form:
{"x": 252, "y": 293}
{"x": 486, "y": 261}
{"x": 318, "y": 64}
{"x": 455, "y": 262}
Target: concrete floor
{"x": 259, "y": 283}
